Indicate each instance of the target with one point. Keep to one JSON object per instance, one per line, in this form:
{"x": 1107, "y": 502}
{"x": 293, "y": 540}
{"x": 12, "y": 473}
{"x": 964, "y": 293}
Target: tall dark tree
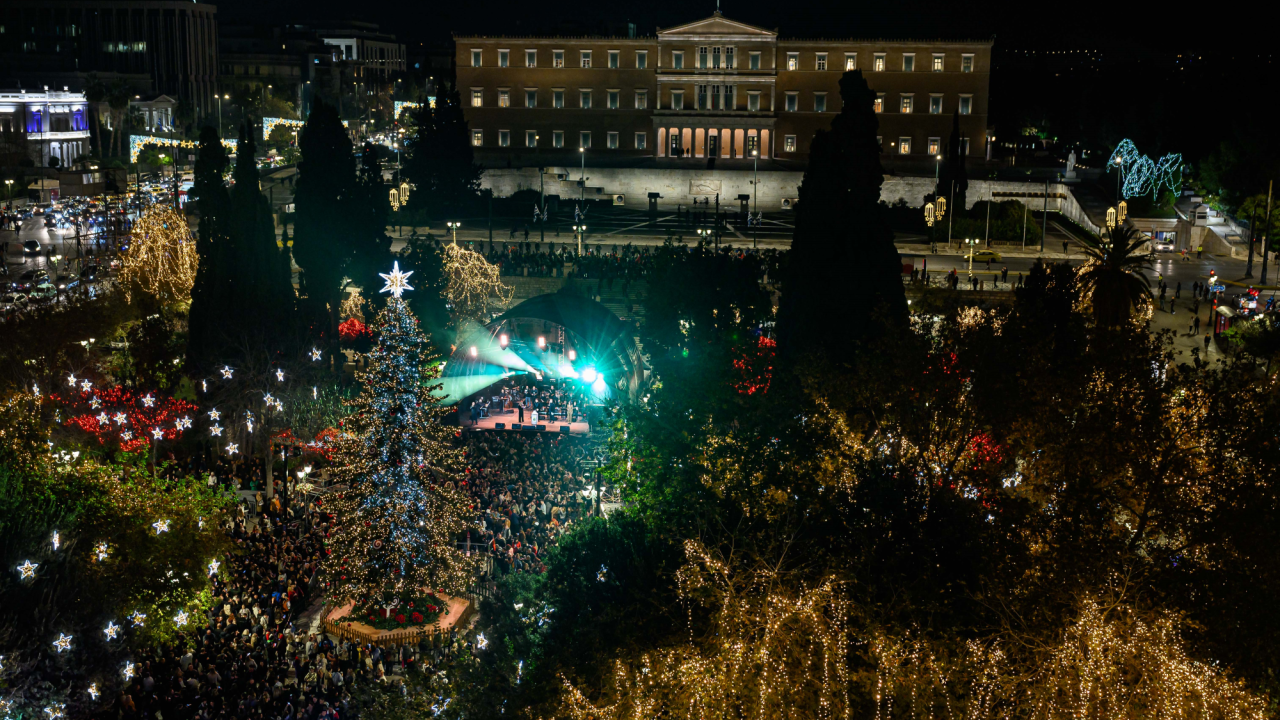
{"x": 441, "y": 161}
{"x": 211, "y": 293}
{"x": 953, "y": 181}
{"x": 263, "y": 295}
{"x": 844, "y": 272}
{"x": 326, "y": 185}
{"x": 370, "y": 206}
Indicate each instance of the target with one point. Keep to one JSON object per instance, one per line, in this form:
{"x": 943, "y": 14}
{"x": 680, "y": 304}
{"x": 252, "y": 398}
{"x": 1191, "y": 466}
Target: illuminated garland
{"x": 402, "y": 105}
{"x": 161, "y": 259}
{"x": 471, "y": 282}
{"x": 270, "y": 123}
{"x": 137, "y": 142}
{"x": 1143, "y": 176}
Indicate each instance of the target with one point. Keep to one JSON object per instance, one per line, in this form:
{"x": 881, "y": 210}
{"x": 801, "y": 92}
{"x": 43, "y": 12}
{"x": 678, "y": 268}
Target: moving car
{"x": 44, "y": 291}
{"x": 1163, "y": 245}
{"x": 31, "y": 246}
{"x": 12, "y": 302}
{"x": 985, "y": 256}
{"x": 29, "y": 279}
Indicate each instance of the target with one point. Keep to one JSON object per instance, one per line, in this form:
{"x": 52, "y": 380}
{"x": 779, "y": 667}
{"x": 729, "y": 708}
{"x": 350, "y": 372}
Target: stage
{"x": 508, "y": 418}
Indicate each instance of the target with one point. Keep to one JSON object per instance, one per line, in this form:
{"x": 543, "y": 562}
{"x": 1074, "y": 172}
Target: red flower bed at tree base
{"x": 417, "y": 610}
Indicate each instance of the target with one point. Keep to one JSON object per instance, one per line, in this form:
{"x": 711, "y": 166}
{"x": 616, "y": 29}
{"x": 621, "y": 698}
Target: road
{"x": 52, "y": 243}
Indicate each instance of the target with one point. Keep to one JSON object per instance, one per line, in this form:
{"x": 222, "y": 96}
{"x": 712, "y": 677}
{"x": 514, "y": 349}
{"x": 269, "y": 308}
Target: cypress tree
{"x": 953, "y": 170}
{"x": 211, "y": 293}
{"x": 844, "y": 278}
{"x": 441, "y": 160}
{"x": 263, "y": 298}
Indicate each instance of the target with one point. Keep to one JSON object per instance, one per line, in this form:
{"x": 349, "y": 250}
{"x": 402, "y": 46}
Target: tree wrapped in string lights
{"x": 402, "y": 516}
{"x": 161, "y": 261}
{"x": 472, "y": 280}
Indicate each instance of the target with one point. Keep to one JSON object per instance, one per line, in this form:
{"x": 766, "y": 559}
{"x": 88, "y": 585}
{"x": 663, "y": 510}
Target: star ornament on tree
{"x": 103, "y": 419}
{"x": 111, "y": 631}
{"x": 137, "y": 617}
{"x": 214, "y": 414}
{"x": 279, "y": 375}
{"x": 126, "y": 436}
{"x": 86, "y": 385}
{"x": 161, "y": 526}
{"x": 216, "y": 430}
{"x": 28, "y": 569}
{"x": 226, "y": 372}
{"x": 93, "y": 691}
{"x": 63, "y": 642}
{"x": 120, "y": 418}
{"x": 157, "y": 433}
{"x": 213, "y": 567}
{"x": 397, "y": 282}
{"x": 95, "y": 403}
{"x": 315, "y": 356}
{"x": 181, "y": 618}
{"x": 128, "y": 671}
{"x": 232, "y": 448}
{"x": 148, "y": 400}
{"x": 71, "y": 380}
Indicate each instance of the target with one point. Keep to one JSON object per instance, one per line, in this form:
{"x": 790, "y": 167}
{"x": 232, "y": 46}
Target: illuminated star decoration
{"x": 249, "y": 422}
{"x": 481, "y": 641}
{"x": 137, "y": 617}
{"x": 54, "y": 711}
{"x": 315, "y": 355}
{"x": 215, "y": 430}
{"x": 214, "y": 414}
{"x": 128, "y": 671}
{"x": 95, "y": 403}
{"x": 213, "y": 567}
{"x": 200, "y": 523}
{"x": 314, "y": 393}
{"x": 204, "y": 386}
{"x": 120, "y": 418}
{"x": 232, "y": 448}
{"x": 102, "y": 551}
{"x": 57, "y": 540}
{"x": 279, "y": 375}
{"x": 183, "y": 423}
{"x": 35, "y": 389}
{"x": 226, "y": 372}
{"x": 93, "y": 691}
{"x": 266, "y": 398}
{"x": 158, "y": 433}
{"x": 63, "y": 642}
{"x": 28, "y": 569}
{"x": 71, "y": 380}
{"x": 397, "y": 282}
{"x": 126, "y": 436}
{"x": 147, "y": 400}
{"x": 103, "y": 418}
{"x": 111, "y": 630}
{"x": 86, "y": 385}
{"x": 181, "y": 618}
{"x": 161, "y": 526}
{"x": 603, "y": 574}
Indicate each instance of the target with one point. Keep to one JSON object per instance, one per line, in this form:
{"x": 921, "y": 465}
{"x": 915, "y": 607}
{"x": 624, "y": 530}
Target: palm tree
{"x": 1115, "y": 279}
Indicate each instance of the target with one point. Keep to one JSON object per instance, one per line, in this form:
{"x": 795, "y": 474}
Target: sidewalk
{"x": 1183, "y": 341}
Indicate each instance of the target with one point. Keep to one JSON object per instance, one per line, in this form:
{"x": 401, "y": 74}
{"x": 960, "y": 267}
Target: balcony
{"x": 71, "y": 135}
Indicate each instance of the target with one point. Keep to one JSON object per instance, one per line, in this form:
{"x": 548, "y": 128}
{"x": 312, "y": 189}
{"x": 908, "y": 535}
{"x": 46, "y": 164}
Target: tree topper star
{"x": 397, "y": 282}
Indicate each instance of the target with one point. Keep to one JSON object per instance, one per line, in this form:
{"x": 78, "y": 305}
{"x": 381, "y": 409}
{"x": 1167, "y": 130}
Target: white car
{"x": 12, "y": 302}
{"x": 1163, "y": 245}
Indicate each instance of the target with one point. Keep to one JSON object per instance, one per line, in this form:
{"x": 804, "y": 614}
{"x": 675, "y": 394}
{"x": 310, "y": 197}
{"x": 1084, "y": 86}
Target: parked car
{"x": 67, "y": 282}
{"x": 12, "y": 302}
{"x": 43, "y": 291}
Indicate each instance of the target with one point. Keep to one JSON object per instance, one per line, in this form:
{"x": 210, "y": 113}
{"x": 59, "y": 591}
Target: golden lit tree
{"x": 472, "y": 281}
{"x": 161, "y": 260}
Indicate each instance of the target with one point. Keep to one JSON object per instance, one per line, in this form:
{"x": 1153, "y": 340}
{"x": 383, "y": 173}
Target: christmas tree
{"x": 401, "y": 518}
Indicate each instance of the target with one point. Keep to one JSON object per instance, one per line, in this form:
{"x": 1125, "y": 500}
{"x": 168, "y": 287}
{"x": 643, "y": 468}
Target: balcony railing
{"x": 71, "y": 135}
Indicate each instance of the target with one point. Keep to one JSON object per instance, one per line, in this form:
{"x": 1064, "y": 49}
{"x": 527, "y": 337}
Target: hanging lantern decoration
{"x": 395, "y": 199}
{"x": 928, "y": 214}
{"x": 1111, "y": 217}
{"x": 1123, "y": 213}
{"x": 942, "y": 207}
{"x": 404, "y": 192}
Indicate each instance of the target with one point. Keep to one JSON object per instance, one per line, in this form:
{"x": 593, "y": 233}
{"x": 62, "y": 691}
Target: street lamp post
{"x": 755, "y": 198}
{"x": 8, "y": 190}
{"x": 580, "y": 231}
{"x": 972, "y": 243}
{"x": 453, "y": 227}
{"x": 220, "y": 98}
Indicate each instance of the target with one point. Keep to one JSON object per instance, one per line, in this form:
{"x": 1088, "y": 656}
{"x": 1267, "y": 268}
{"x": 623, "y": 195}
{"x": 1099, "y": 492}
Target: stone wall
{"x": 683, "y": 186}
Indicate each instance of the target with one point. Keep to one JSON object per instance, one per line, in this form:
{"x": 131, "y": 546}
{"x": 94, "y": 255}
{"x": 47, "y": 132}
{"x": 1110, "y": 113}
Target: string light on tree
{"x": 161, "y": 259}
{"x": 471, "y": 282}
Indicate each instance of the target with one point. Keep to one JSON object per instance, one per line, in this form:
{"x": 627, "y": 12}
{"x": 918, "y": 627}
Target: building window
{"x": 820, "y": 102}
{"x": 935, "y": 104}
{"x": 904, "y": 146}
{"x": 584, "y": 139}
{"x": 753, "y": 61}
{"x": 504, "y": 57}
{"x": 613, "y": 59}
{"x": 557, "y": 138}
{"x": 642, "y": 141}
{"x": 789, "y": 143}
{"x": 753, "y": 145}
{"x": 908, "y": 104}
{"x": 586, "y": 58}
{"x": 935, "y": 146}
{"x": 851, "y": 61}
{"x": 753, "y": 101}
{"x": 477, "y": 138}
{"x": 642, "y": 99}
{"x": 475, "y": 58}
{"x": 611, "y": 140}
{"x": 908, "y": 62}
{"x": 504, "y": 98}
{"x": 792, "y": 101}
{"x": 504, "y": 138}
{"x": 642, "y": 59}
{"x": 677, "y": 99}
{"x": 880, "y": 142}
{"x": 557, "y": 99}
{"x": 584, "y": 99}
{"x": 677, "y": 60}
{"x": 966, "y": 63}
{"x": 557, "y": 58}
{"x": 878, "y": 105}
{"x": 612, "y": 99}
{"x": 477, "y": 98}
{"x": 966, "y": 104}
{"x": 728, "y": 58}
{"x": 937, "y": 62}
{"x": 531, "y": 58}
{"x": 793, "y": 61}
{"x": 530, "y": 97}
{"x": 531, "y": 138}
{"x": 878, "y": 62}
{"x": 821, "y": 63}
{"x": 703, "y": 61}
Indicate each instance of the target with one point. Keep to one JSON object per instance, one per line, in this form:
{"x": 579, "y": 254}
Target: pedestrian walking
{"x": 1206, "y": 345}
{"x": 1195, "y": 326}
{"x": 1064, "y": 247}
{"x": 1200, "y": 253}
{"x": 1177, "y": 292}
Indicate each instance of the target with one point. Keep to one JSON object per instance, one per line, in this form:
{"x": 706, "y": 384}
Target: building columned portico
{"x": 55, "y": 124}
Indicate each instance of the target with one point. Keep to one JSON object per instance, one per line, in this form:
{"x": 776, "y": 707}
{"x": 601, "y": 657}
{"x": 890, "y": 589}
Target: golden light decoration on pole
{"x": 1123, "y": 211}
{"x": 395, "y": 199}
{"x": 1111, "y": 217}
{"x": 404, "y": 192}
{"x": 161, "y": 259}
{"x": 942, "y": 207}
{"x": 928, "y": 214}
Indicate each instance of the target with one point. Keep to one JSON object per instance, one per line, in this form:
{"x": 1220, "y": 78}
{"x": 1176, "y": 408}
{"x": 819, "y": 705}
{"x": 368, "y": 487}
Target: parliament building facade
{"x": 715, "y": 88}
